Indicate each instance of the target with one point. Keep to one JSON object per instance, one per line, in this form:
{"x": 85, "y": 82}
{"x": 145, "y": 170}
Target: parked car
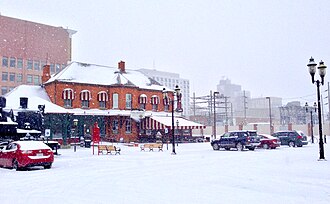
{"x": 22, "y": 154}
{"x": 237, "y": 139}
{"x": 268, "y": 141}
{"x": 291, "y": 138}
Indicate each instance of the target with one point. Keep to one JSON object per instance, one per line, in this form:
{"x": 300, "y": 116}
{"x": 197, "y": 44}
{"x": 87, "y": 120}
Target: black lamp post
{"x": 177, "y": 130}
{"x": 176, "y": 94}
{"x": 214, "y": 116}
{"x": 310, "y": 109}
{"x": 75, "y": 125}
{"x": 322, "y": 71}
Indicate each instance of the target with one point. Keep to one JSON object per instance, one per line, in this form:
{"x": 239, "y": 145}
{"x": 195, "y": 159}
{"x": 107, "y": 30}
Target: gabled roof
{"x": 77, "y": 72}
{"x": 36, "y": 96}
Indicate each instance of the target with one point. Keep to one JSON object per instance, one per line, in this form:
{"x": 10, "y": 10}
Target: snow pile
{"x": 197, "y": 174}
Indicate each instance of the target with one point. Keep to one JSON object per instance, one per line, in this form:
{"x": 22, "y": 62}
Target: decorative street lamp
{"x": 178, "y": 96}
{"x": 177, "y": 130}
{"x": 322, "y": 71}
{"x": 75, "y": 125}
{"x": 215, "y": 117}
{"x": 270, "y": 117}
{"x": 311, "y": 111}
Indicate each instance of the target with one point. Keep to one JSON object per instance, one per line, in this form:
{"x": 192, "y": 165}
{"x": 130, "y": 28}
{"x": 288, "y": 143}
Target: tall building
{"x": 25, "y": 47}
{"x": 170, "y": 80}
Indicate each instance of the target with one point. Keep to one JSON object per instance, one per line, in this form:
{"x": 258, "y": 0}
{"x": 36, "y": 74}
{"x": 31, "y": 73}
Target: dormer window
{"x": 85, "y": 97}
{"x": 68, "y": 96}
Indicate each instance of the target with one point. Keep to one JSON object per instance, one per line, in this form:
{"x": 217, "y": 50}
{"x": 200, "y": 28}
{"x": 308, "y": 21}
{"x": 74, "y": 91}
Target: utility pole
{"x": 245, "y": 103}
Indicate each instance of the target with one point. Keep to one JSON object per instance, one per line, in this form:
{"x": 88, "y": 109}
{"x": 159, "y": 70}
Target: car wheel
{"x": 15, "y": 165}
{"x": 48, "y": 166}
{"x": 265, "y": 146}
{"x": 292, "y": 144}
{"x": 215, "y": 146}
{"x": 239, "y": 146}
{"x": 252, "y": 148}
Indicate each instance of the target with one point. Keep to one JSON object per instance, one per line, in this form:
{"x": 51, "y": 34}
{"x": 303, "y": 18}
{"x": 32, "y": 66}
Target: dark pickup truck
{"x": 237, "y": 139}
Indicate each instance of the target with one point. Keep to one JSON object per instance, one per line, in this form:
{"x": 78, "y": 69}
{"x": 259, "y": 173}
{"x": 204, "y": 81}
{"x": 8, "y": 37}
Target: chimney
{"x": 23, "y": 102}
{"x": 121, "y": 67}
{"x": 45, "y": 73}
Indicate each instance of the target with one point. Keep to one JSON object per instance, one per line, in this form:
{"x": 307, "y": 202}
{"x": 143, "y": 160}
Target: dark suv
{"x": 237, "y": 139}
{"x": 291, "y": 138}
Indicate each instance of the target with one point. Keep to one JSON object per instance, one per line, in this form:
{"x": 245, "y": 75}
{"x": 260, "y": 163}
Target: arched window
{"x": 102, "y": 97}
{"x": 68, "y": 96}
{"x": 143, "y": 101}
{"x": 154, "y": 102}
{"x": 85, "y": 96}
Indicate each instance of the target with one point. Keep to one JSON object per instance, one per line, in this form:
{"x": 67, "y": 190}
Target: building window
{"x": 19, "y": 77}
{"x": 128, "y": 101}
{"x": 115, "y": 126}
{"x": 36, "y": 80}
{"x": 68, "y": 97}
{"x": 128, "y": 126}
{"x": 57, "y": 67}
{"x": 4, "y": 76}
{"x": 102, "y": 97}
{"x": 154, "y": 102}
{"x": 29, "y": 79}
{"x": 52, "y": 68}
{"x": 12, "y": 77}
{"x": 143, "y": 101}
{"x": 19, "y": 63}
{"x": 115, "y": 100}
{"x": 12, "y": 62}
{"x": 42, "y": 64}
{"x": 3, "y": 90}
{"x": 37, "y": 65}
{"x": 67, "y": 103}
{"x": 5, "y": 61}
{"x": 29, "y": 64}
{"x": 85, "y": 96}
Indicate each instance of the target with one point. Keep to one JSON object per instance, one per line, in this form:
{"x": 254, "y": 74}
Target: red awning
{"x": 158, "y": 122}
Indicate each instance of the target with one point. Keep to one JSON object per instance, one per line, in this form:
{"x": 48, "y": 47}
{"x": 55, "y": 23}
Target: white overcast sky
{"x": 262, "y": 45}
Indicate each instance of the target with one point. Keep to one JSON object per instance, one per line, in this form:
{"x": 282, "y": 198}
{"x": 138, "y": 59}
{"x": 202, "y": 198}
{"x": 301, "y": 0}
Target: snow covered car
{"x": 22, "y": 154}
{"x": 268, "y": 141}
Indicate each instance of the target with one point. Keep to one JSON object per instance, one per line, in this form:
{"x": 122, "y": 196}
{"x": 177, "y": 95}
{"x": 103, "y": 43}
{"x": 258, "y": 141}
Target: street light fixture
{"x": 215, "y": 117}
{"x": 322, "y": 71}
{"x": 75, "y": 125}
{"x": 270, "y": 117}
{"x": 311, "y": 111}
{"x": 178, "y": 95}
{"x": 177, "y": 129}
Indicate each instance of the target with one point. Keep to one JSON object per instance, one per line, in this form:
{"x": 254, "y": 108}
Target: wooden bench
{"x": 151, "y": 146}
{"x": 108, "y": 149}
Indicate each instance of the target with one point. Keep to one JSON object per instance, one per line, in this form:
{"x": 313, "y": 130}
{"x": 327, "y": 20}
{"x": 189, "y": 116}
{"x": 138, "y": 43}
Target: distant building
{"x": 25, "y": 47}
{"x": 170, "y": 80}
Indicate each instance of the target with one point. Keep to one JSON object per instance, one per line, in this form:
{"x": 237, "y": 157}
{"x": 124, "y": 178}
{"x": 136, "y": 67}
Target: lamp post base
{"x": 321, "y": 160}
{"x": 173, "y": 153}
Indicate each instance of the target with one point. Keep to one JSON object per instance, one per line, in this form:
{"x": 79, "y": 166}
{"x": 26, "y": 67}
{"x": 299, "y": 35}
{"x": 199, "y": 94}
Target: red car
{"x": 22, "y": 154}
{"x": 268, "y": 141}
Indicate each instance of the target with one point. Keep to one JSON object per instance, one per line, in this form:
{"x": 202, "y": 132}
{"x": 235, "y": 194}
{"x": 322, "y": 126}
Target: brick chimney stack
{"x": 121, "y": 66}
{"x": 45, "y": 73}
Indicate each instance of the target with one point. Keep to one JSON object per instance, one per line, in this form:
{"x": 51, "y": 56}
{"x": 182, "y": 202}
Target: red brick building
{"x": 122, "y": 101}
{"x": 25, "y": 47}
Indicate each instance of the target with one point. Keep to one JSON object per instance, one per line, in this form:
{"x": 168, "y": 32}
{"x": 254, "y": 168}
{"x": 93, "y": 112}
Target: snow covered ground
{"x": 197, "y": 174}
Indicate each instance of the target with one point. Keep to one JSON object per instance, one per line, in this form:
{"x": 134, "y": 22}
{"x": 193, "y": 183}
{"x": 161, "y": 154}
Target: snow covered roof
{"x": 77, "y": 72}
{"x": 36, "y": 96}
